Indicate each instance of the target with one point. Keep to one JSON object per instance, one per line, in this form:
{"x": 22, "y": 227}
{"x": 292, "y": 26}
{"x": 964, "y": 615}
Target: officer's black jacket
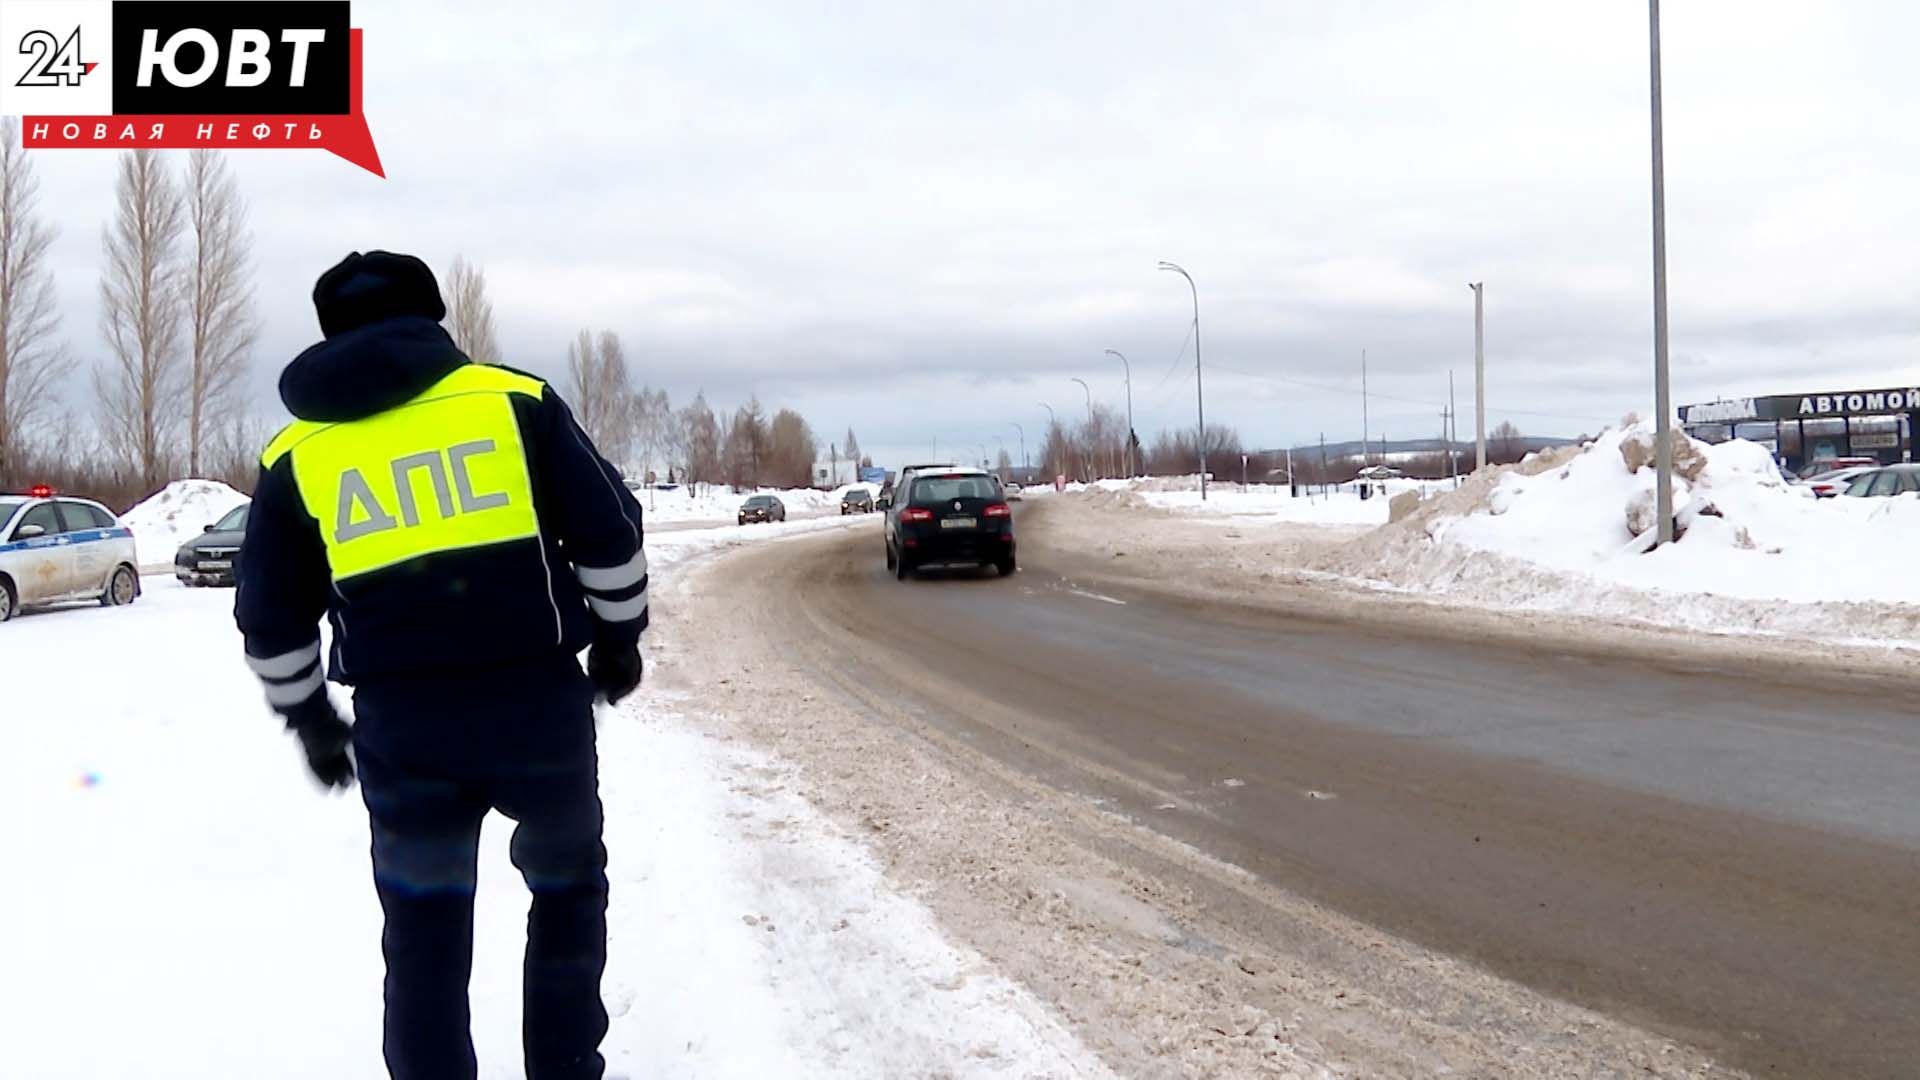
{"x": 500, "y": 603}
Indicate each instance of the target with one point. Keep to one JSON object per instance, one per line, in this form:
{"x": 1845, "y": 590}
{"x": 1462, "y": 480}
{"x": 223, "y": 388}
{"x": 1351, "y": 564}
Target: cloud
{"x": 922, "y": 218}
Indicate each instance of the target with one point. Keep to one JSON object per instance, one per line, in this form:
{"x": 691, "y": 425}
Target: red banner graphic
{"x": 344, "y": 136}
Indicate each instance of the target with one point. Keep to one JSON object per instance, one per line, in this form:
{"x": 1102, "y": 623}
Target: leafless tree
{"x": 1505, "y": 445}
{"x": 791, "y": 450}
{"x": 470, "y": 313}
{"x": 700, "y": 438}
{"x": 219, "y": 301}
{"x": 28, "y": 318}
{"x": 141, "y": 305}
{"x": 1004, "y": 466}
{"x": 597, "y": 381}
{"x": 653, "y": 427}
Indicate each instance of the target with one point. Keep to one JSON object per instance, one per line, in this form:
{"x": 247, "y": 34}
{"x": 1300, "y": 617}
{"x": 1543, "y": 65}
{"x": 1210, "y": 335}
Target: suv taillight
{"x": 916, "y": 513}
{"x": 999, "y": 510}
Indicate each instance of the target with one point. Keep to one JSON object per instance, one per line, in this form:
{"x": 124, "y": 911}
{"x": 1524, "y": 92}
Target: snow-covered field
{"x": 186, "y": 904}
{"x": 177, "y": 513}
{"x": 718, "y": 504}
{"x": 1260, "y": 504}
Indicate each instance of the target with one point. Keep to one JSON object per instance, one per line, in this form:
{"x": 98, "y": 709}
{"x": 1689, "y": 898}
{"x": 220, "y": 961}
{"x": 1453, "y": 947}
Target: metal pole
{"x": 1052, "y": 422}
{"x": 1132, "y": 466}
{"x": 1479, "y": 376}
{"x": 1199, "y": 392}
{"x": 1089, "y": 390}
{"x": 1025, "y": 465}
{"x": 1366, "y": 445}
{"x": 1453, "y": 429}
{"x": 1662, "y": 401}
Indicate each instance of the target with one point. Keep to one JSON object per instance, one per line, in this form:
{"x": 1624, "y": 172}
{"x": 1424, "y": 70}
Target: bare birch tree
{"x": 28, "y": 318}
{"x": 653, "y": 425}
{"x": 141, "y": 301}
{"x": 470, "y": 312}
{"x": 597, "y": 383}
{"x": 219, "y": 301}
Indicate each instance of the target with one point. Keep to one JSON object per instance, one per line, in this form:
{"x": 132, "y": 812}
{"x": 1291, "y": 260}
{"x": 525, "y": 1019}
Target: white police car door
{"x": 45, "y": 561}
{"x": 92, "y": 553}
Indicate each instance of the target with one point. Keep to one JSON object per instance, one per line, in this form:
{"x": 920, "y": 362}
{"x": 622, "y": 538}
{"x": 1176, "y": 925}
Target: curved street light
{"x": 1132, "y": 466}
{"x": 1199, "y": 393}
{"x": 1089, "y": 390}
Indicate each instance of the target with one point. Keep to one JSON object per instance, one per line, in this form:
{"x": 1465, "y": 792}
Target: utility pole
{"x": 1479, "y": 375}
{"x": 1052, "y": 422}
{"x": 1366, "y": 446}
{"x": 1453, "y": 421}
{"x": 1200, "y": 396}
{"x": 1025, "y": 466}
{"x": 1662, "y": 402}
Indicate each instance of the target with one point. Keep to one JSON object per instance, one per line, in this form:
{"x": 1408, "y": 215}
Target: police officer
{"x": 465, "y": 541}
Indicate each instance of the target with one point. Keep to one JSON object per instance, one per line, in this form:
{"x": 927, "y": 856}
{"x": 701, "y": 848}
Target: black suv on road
{"x": 955, "y": 517}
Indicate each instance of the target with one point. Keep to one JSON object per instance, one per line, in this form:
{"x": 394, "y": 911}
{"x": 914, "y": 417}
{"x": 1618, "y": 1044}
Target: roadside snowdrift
{"x": 177, "y": 513}
{"x": 1553, "y": 533}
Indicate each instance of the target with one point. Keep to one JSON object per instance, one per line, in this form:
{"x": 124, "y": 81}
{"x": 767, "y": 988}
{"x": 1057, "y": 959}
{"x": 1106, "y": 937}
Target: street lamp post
{"x": 1662, "y": 402}
{"x": 1199, "y": 392}
{"x": 1025, "y": 465}
{"x": 1479, "y": 375}
{"x": 1052, "y": 422}
{"x": 1089, "y": 390}
{"x": 1132, "y": 466}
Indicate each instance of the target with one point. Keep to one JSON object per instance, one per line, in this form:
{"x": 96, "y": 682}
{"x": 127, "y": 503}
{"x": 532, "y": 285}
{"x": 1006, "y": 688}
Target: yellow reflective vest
{"x": 445, "y": 471}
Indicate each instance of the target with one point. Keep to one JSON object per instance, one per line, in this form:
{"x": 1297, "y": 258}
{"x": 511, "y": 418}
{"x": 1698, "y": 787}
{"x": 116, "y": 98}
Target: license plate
{"x": 217, "y": 564}
{"x": 959, "y": 523}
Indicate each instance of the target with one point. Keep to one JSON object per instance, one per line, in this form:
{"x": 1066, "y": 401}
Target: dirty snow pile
{"x": 1757, "y": 554}
{"x": 177, "y": 513}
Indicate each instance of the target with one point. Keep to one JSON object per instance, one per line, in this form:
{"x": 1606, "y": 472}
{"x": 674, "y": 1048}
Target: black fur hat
{"x": 378, "y": 285}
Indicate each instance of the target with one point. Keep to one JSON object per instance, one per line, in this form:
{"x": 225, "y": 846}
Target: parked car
{"x": 762, "y": 508}
{"x": 208, "y": 559}
{"x": 1826, "y": 485}
{"x": 954, "y": 517}
{"x": 1833, "y": 464}
{"x": 1887, "y": 481}
{"x": 856, "y": 501}
{"x": 55, "y": 549}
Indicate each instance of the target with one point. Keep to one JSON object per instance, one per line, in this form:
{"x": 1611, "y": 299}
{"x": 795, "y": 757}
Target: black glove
{"x": 614, "y": 669}
{"x": 325, "y": 738}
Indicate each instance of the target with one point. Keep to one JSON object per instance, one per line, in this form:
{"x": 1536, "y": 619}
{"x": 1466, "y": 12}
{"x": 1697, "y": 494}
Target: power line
{"x": 1329, "y": 388}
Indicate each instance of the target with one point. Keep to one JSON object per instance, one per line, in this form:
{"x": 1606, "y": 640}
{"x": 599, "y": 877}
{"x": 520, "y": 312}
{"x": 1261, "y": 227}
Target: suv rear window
{"x": 943, "y": 488}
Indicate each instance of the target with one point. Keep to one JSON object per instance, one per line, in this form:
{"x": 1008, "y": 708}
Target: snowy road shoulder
{"x": 186, "y": 891}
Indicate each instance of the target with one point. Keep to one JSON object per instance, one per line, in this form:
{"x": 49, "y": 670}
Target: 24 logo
{"x": 54, "y": 63}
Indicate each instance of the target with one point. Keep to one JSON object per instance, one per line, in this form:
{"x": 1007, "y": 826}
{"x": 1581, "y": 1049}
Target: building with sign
{"x": 1803, "y": 430}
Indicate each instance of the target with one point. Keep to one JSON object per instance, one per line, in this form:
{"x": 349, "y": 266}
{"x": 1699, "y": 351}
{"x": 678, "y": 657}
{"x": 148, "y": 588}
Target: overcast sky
{"x": 923, "y": 220}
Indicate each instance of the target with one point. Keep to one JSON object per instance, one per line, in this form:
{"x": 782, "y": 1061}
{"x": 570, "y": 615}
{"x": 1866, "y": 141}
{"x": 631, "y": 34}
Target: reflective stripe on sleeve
{"x": 287, "y": 664}
{"x": 293, "y": 693}
{"x": 613, "y": 578}
{"x": 619, "y": 610}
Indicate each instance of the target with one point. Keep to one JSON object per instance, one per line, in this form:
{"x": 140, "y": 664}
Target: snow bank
{"x": 748, "y": 937}
{"x": 1554, "y": 533}
{"x": 1251, "y": 505}
{"x": 179, "y": 512}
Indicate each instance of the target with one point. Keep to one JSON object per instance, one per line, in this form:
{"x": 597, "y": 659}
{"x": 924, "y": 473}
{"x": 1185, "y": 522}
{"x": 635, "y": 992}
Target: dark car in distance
{"x": 856, "y": 501}
{"x": 955, "y": 517}
{"x": 762, "y": 508}
{"x": 208, "y": 559}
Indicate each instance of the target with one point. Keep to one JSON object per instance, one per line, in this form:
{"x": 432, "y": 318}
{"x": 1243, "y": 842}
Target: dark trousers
{"x": 434, "y": 756}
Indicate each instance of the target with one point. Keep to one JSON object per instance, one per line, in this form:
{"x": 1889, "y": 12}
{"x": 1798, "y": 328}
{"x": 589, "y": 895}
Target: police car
{"x": 55, "y": 549}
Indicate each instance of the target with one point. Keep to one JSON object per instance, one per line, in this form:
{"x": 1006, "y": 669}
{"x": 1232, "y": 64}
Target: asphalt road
{"x": 1727, "y": 854}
